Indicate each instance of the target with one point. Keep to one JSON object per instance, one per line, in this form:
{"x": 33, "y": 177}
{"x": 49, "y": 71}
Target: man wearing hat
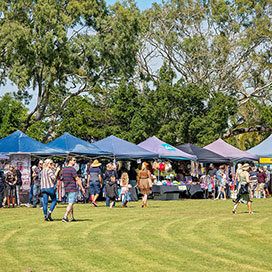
{"x": 94, "y": 181}
{"x": 243, "y": 191}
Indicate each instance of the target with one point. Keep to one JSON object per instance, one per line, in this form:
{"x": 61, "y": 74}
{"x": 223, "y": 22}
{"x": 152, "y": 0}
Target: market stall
{"x": 228, "y": 151}
{"x": 70, "y": 144}
{"x": 122, "y": 149}
{"x": 163, "y": 189}
{"x": 20, "y": 147}
{"x": 203, "y": 155}
{"x": 263, "y": 150}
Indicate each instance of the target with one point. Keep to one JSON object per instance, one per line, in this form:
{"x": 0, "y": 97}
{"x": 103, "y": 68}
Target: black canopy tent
{"x": 202, "y": 154}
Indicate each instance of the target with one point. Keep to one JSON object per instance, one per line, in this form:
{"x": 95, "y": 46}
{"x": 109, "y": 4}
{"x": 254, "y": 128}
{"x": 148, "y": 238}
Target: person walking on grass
{"x": 221, "y": 176}
{"x": 70, "y": 180}
{"x": 48, "y": 188}
{"x": 94, "y": 181}
{"x": 243, "y": 190}
{"x": 112, "y": 191}
{"x": 125, "y": 188}
{"x": 110, "y": 171}
{"x": 143, "y": 183}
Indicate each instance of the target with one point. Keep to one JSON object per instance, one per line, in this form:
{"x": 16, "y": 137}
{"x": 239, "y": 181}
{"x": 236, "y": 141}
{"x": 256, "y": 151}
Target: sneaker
{"x": 251, "y": 212}
{"x": 233, "y": 211}
{"x": 73, "y": 220}
{"x": 49, "y": 217}
{"x": 28, "y": 205}
{"x": 34, "y": 206}
{"x": 94, "y": 204}
{"x": 65, "y": 220}
{"x": 46, "y": 218}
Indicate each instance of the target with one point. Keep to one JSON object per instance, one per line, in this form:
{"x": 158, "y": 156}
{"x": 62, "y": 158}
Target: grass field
{"x": 183, "y": 235}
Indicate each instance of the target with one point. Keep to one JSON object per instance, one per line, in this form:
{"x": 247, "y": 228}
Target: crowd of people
{"x": 222, "y": 182}
{"x": 48, "y": 179}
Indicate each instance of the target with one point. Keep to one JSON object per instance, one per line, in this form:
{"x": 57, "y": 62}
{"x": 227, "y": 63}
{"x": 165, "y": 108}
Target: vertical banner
{"x": 23, "y": 163}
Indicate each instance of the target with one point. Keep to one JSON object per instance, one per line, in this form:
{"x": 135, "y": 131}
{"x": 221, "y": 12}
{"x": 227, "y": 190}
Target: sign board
{"x": 265, "y": 160}
{"x": 23, "y": 163}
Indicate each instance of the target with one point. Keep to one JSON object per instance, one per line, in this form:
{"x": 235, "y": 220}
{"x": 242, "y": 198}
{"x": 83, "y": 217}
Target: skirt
{"x": 144, "y": 187}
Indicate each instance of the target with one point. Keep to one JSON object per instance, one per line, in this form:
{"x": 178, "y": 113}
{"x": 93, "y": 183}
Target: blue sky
{"x": 142, "y": 4}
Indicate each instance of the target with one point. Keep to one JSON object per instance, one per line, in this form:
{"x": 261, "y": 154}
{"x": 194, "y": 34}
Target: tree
{"x": 61, "y": 49}
{"x": 221, "y": 45}
{"x": 12, "y": 115}
{"x": 177, "y": 112}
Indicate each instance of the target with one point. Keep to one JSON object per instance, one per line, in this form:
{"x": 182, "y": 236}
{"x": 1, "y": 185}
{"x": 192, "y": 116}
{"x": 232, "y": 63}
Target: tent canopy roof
{"x": 264, "y": 149}
{"x": 71, "y": 144}
{"x": 123, "y": 149}
{"x": 202, "y": 154}
{"x": 18, "y": 142}
{"x": 165, "y": 150}
{"x": 228, "y": 151}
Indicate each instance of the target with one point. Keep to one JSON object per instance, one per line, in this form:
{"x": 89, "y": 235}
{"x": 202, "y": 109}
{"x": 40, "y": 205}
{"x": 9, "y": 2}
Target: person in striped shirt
{"x": 48, "y": 189}
{"x": 70, "y": 180}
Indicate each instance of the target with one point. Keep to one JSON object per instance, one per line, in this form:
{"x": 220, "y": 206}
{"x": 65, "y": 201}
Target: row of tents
{"x": 218, "y": 151}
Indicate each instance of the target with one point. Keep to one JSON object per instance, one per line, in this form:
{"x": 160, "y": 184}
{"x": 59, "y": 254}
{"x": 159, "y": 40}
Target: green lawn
{"x": 183, "y": 235}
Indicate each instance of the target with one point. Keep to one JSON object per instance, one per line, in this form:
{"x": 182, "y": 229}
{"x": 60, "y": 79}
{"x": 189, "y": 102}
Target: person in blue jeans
{"x": 48, "y": 188}
{"x": 110, "y": 171}
{"x": 36, "y": 176}
{"x": 125, "y": 189}
{"x": 94, "y": 181}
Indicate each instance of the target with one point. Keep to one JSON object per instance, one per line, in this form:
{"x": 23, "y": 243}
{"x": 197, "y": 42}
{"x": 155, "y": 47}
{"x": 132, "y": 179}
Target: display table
{"x": 173, "y": 192}
{"x": 165, "y": 192}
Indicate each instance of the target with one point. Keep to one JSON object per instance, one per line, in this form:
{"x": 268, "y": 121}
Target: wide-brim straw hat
{"x": 245, "y": 167}
{"x": 96, "y": 163}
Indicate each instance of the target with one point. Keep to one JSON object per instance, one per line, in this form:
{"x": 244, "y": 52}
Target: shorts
{"x": 94, "y": 187}
{"x": 71, "y": 198}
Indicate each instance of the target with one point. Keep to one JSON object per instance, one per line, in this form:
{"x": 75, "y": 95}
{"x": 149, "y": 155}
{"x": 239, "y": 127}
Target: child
{"x": 111, "y": 190}
{"x": 125, "y": 189}
{"x": 221, "y": 175}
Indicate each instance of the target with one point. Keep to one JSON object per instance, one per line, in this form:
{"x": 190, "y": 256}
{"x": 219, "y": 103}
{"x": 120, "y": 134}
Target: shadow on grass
{"x": 77, "y": 220}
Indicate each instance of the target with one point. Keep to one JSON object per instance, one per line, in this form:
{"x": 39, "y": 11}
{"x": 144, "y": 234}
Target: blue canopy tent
{"x": 165, "y": 150}
{"x": 264, "y": 149}
{"x": 123, "y": 149}
{"x": 20, "y": 143}
{"x": 71, "y": 144}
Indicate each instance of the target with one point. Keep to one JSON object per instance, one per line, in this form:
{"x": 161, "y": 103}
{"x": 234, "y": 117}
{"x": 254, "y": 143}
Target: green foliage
{"x": 12, "y": 115}
{"x": 88, "y": 119}
{"x": 63, "y": 48}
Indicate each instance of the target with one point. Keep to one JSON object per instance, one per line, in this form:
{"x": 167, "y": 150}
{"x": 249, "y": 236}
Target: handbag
{"x": 243, "y": 189}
